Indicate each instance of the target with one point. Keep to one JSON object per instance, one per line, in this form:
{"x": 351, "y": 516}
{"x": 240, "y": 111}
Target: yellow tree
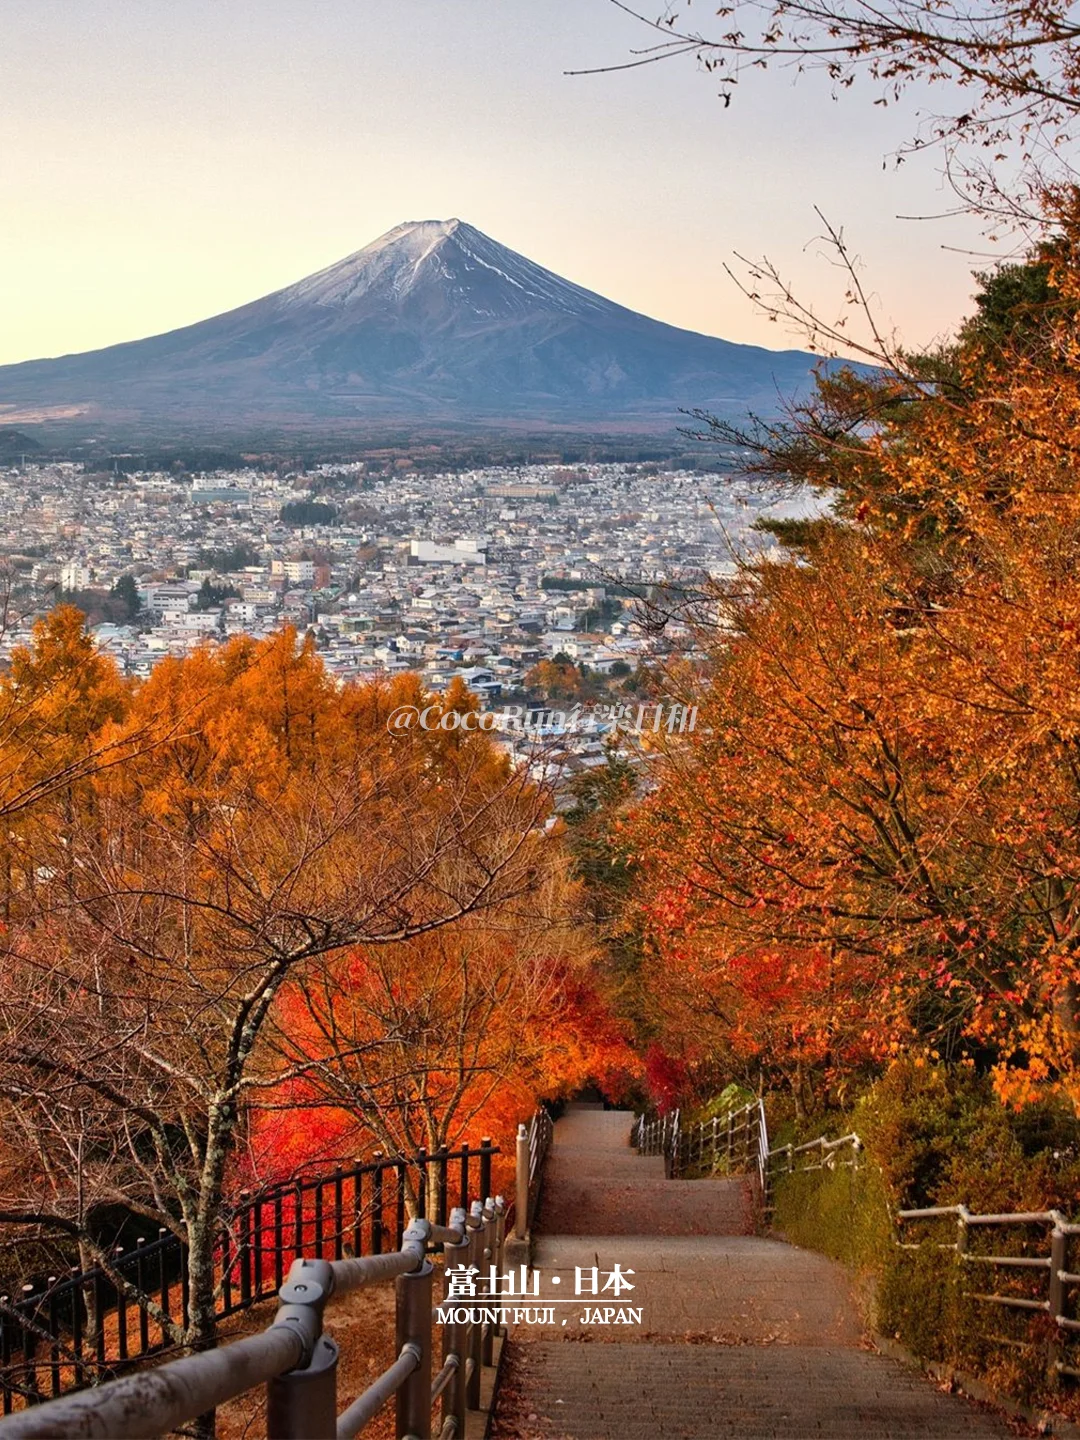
{"x": 264, "y": 819}
{"x": 882, "y": 796}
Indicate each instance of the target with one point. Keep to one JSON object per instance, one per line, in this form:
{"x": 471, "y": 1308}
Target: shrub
{"x": 941, "y": 1137}
{"x": 938, "y": 1136}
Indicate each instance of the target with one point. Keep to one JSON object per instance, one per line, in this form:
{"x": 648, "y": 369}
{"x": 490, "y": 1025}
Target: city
{"x": 479, "y": 574}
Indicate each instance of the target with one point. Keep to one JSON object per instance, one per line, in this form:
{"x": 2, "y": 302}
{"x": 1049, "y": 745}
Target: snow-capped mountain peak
{"x": 432, "y": 322}
{"x": 466, "y": 266}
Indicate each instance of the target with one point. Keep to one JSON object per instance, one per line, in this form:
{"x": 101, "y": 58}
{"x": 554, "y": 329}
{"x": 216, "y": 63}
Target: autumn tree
{"x": 559, "y": 680}
{"x": 602, "y": 800}
{"x": 870, "y": 844}
{"x": 55, "y": 701}
{"x": 443, "y": 1038}
{"x": 451, "y": 1034}
{"x": 264, "y": 820}
{"x": 1012, "y": 72}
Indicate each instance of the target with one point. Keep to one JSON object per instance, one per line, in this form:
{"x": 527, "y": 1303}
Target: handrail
{"x": 763, "y": 1151}
{"x": 1061, "y": 1284}
{"x": 366, "y": 1406}
{"x": 727, "y": 1136}
{"x": 738, "y": 1137}
{"x": 822, "y": 1143}
{"x": 47, "y": 1342}
{"x": 298, "y": 1362}
{"x": 830, "y": 1154}
{"x": 156, "y": 1401}
{"x": 533, "y": 1143}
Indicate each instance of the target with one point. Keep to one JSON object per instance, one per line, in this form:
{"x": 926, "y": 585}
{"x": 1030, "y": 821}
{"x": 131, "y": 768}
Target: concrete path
{"x": 738, "y": 1336}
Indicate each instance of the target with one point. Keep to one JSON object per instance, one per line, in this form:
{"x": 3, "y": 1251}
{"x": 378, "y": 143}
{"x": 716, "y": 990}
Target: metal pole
{"x": 143, "y": 1288}
{"x": 358, "y": 1207}
{"x": 500, "y": 1243}
{"x": 377, "y": 1205}
{"x": 490, "y": 1279}
{"x": 301, "y": 1404}
{"x": 414, "y": 1334}
{"x": 339, "y": 1211}
{"x": 455, "y": 1335}
{"x": 1059, "y": 1241}
{"x": 475, "y": 1336}
{"x": 485, "y": 1168}
{"x": 962, "y": 1230}
{"x": 500, "y": 1231}
{"x": 401, "y": 1168}
{"x": 521, "y": 1190}
{"x": 245, "y": 1247}
{"x": 421, "y": 1183}
{"x": 440, "y": 1186}
{"x": 121, "y": 1309}
{"x": 463, "y": 1193}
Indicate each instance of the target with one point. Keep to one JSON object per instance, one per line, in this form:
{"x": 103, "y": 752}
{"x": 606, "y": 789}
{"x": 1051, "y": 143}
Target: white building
{"x": 462, "y": 552}
{"x": 74, "y": 575}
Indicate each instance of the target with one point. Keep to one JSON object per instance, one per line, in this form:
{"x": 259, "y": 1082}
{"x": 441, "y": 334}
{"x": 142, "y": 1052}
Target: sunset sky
{"x": 162, "y": 162}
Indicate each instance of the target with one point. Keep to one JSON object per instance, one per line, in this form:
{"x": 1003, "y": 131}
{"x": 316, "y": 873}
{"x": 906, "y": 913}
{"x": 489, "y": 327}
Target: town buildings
{"x": 478, "y": 573}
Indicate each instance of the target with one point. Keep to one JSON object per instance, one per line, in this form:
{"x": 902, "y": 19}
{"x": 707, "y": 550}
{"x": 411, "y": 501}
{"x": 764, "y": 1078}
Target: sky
{"x": 165, "y": 160}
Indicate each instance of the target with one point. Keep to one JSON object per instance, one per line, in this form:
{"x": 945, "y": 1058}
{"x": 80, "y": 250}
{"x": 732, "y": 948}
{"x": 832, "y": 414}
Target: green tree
{"x": 211, "y": 596}
{"x": 126, "y": 591}
{"x": 603, "y": 861}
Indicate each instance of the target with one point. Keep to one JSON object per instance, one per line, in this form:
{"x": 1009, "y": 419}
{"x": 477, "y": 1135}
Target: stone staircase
{"x": 740, "y": 1337}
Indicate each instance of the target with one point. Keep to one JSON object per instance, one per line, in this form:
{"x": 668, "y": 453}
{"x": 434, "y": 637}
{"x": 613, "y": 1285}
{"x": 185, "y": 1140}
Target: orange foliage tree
{"x": 871, "y": 842}
{"x": 442, "y": 1039}
{"x": 449, "y": 1035}
{"x": 258, "y": 824}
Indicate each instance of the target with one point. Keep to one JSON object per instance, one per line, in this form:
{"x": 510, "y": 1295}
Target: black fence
{"x": 83, "y": 1328}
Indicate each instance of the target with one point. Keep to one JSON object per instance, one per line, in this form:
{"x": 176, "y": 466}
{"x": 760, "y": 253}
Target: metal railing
{"x": 297, "y": 1361}
{"x": 1042, "y": 1284}
{"x": 533, "y": 1144}
{"x": 819, "y": 1154}
{"x": 68, "y": 1331}
{"x": 737, "y": 1141}
{"x": 1039, "y": 1281}
{"x": 1036, "y": 1281}
{"x": 657, "y": 1135}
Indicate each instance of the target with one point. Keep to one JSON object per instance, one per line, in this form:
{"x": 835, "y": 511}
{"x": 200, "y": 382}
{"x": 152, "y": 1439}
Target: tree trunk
{"x": 87, "y": 1262}
{"x": 201, "y": 1329}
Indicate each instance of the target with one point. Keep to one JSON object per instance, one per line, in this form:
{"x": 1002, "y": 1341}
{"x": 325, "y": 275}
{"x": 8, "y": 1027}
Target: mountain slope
{"x": 433, "y": 321}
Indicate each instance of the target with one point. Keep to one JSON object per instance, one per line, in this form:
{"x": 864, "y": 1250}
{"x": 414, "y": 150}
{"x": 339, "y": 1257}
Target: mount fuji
{"x": 433, "y": 323}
